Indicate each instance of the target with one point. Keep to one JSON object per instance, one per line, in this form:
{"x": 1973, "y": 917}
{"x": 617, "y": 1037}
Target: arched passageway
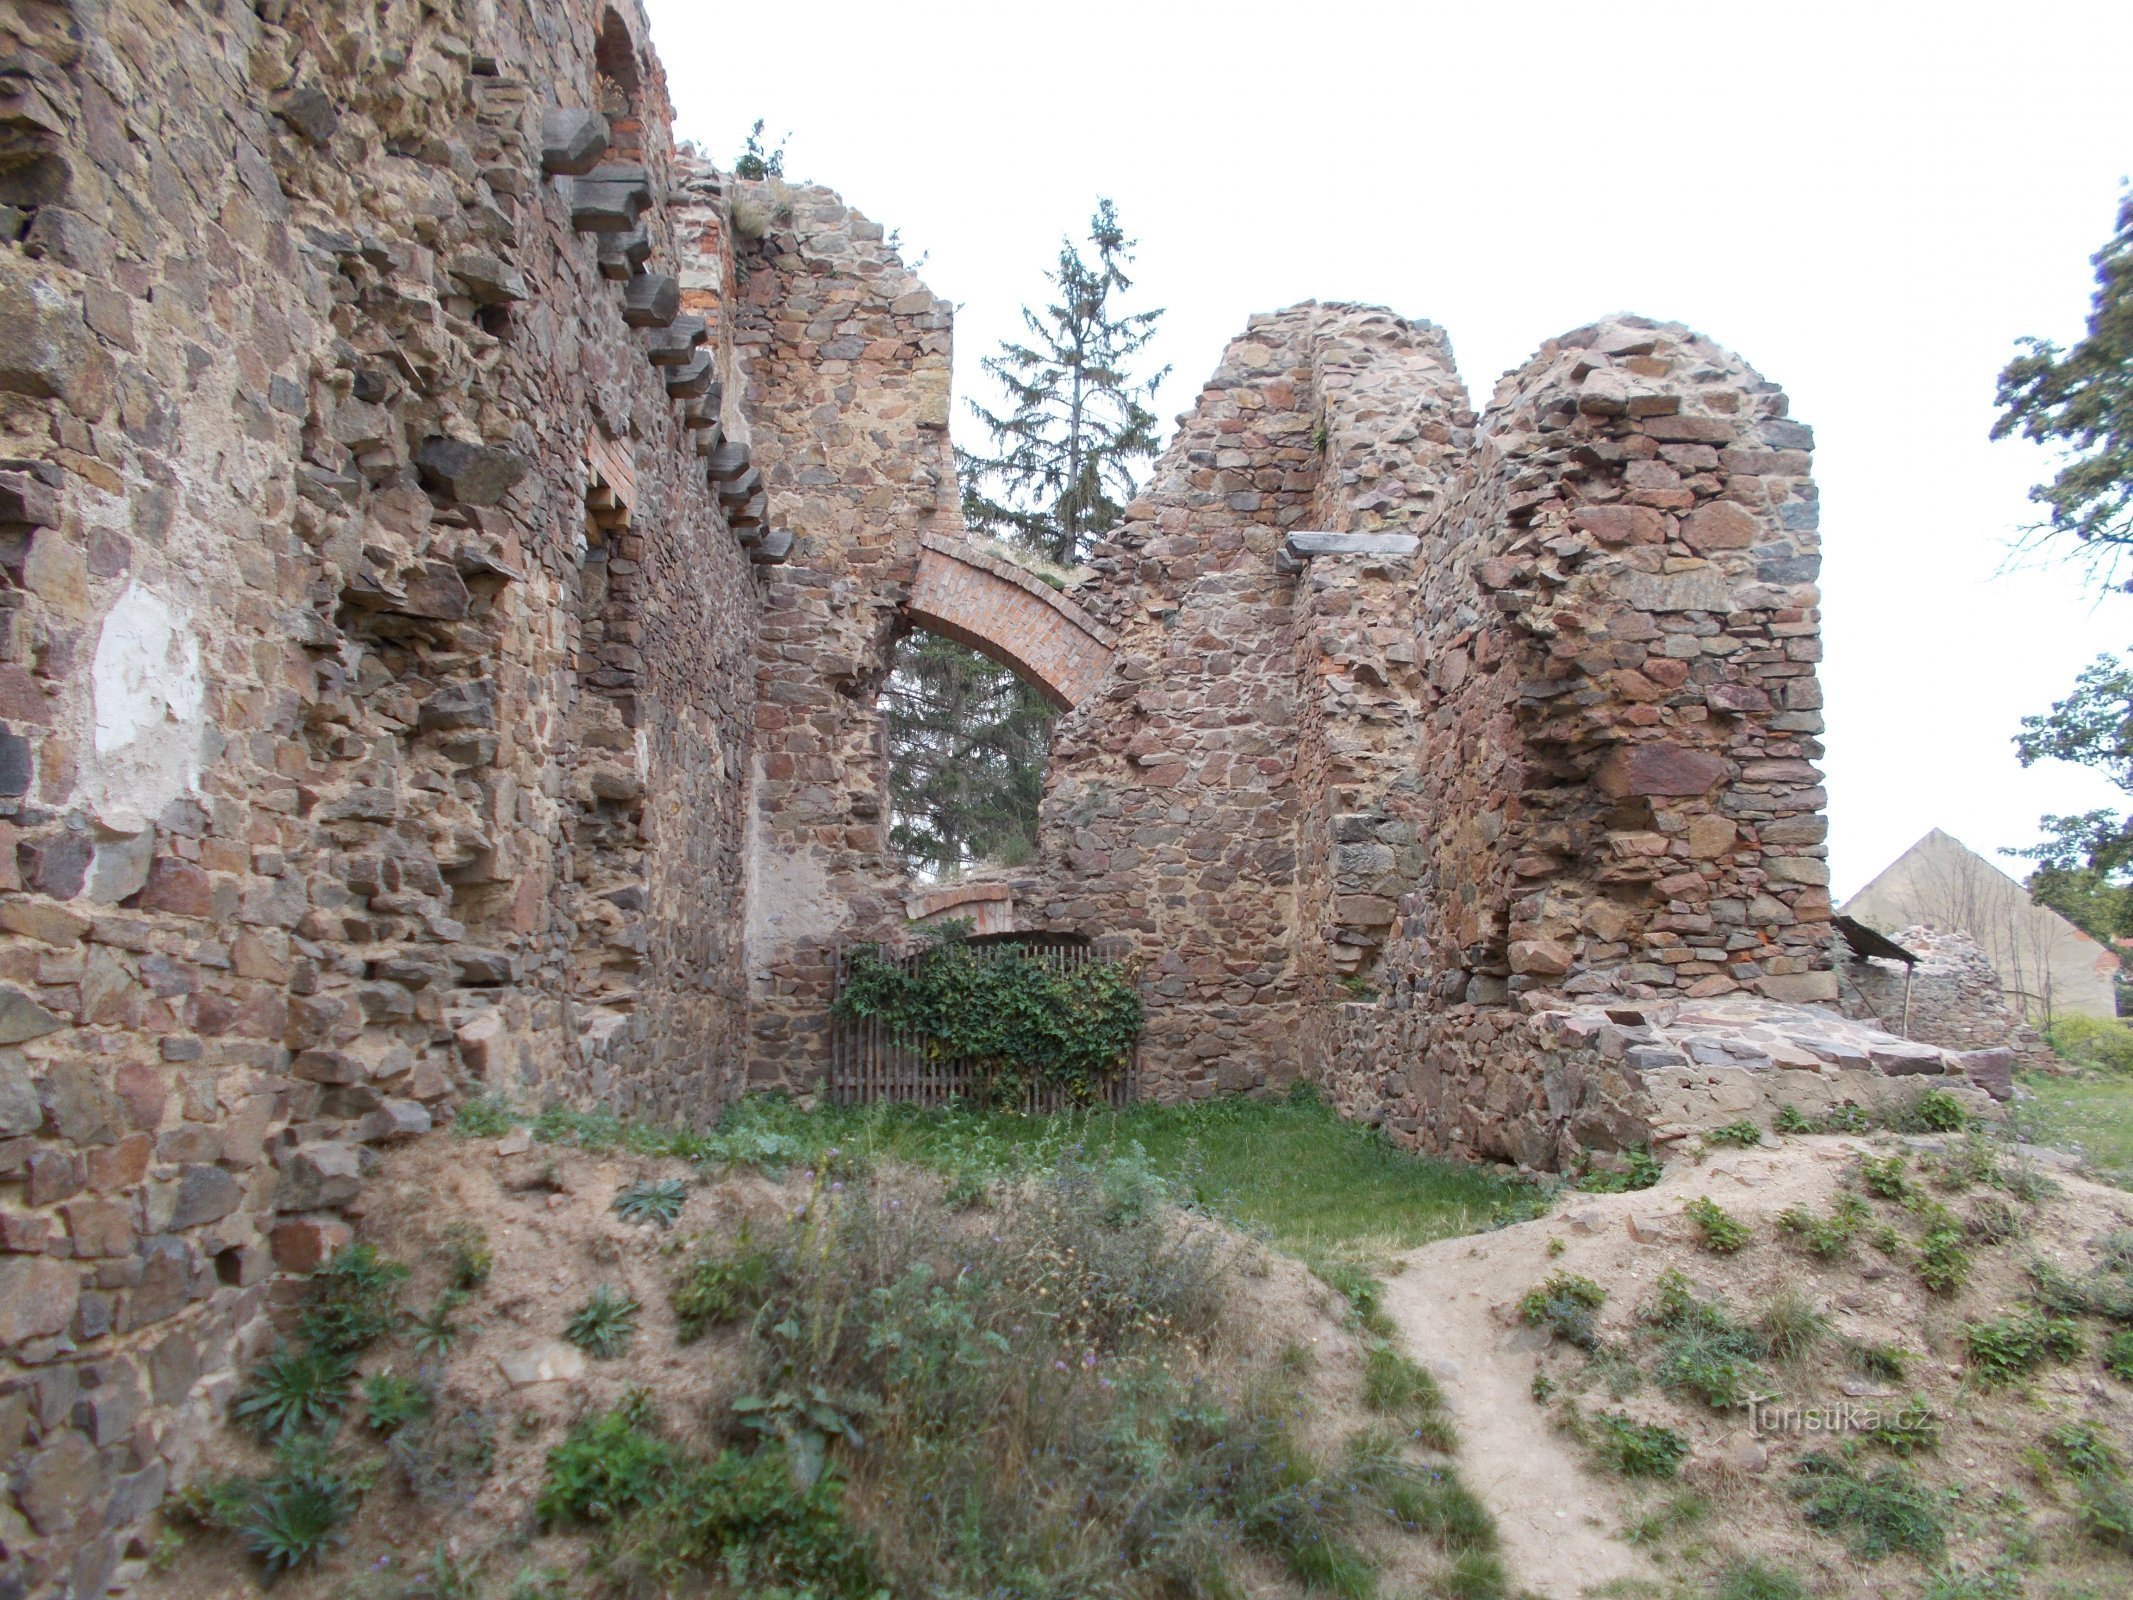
{"x": 1010, "y": 616}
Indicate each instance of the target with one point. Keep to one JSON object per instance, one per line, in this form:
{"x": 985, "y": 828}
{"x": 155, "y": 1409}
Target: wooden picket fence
{"x": 871, "y": 1061}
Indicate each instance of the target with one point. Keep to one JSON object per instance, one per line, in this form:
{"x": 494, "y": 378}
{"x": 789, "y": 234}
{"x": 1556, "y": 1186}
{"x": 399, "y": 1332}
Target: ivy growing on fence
{"x": 1012, "y": 1014}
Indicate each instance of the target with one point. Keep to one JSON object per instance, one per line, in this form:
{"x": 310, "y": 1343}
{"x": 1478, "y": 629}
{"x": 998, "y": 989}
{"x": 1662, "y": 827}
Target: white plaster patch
{"x": 149, "y": 702}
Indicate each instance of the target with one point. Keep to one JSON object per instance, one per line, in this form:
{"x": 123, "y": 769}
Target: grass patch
{"x": 1703, "y": 1350}
{"x": 1878, "y": 1512}
{"x": 2091, "y": 1114}
{"x": 1790, "y": 1327}
{"x": 1754, "y": 1580}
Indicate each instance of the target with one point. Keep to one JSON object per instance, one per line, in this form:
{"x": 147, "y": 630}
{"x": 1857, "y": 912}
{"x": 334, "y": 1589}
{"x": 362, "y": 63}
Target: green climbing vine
{"x": 1013, "y": 1015}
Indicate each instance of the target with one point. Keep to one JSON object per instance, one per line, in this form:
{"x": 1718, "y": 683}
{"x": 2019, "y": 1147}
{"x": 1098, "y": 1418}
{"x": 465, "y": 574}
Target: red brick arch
{"x": 1010, "y": 616}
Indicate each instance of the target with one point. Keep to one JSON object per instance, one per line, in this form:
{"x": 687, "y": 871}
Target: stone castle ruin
{"x": 453, "y": 545}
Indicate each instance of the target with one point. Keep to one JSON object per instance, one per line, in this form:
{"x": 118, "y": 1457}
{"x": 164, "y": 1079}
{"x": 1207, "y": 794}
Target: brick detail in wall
{"x": 1016, "y": 619}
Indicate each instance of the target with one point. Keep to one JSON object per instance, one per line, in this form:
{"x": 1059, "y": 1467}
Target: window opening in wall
{"x": 967, "y": 741}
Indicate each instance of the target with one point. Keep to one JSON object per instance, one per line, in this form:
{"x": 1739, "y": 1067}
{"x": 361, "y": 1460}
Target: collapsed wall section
{"x": 376, "y": 666}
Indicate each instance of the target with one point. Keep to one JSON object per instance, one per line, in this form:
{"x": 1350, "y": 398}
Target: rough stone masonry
{"x": 451, "y": 543}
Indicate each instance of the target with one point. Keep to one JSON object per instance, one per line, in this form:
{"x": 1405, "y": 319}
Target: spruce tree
{"x": 967, "y": 742}
{"x": 1077, "y": 421}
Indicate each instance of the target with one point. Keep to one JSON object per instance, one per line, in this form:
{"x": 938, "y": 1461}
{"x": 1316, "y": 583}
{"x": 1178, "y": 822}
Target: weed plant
{"x": 1827, "y": 1237}
{"x": 1722, "y": 1232}
{"x": 1879, "y": 1512}
{"x": 1637, "y": 1449}
{"x": 652, "y": 1200}
{"x": 604, "y": 1326}
{"x": 391, "y": 1401}
{"x": 1742, "y": 1135}
{"x": 1565, "y": 1304}
{"x": 1018, "y": 1402}
{"x": 2002, "y": 1349}
{"x": 1640, "y": 1170}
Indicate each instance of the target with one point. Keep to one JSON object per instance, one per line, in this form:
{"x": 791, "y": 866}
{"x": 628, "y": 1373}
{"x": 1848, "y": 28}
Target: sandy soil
{"x": 1455, "y": 1303}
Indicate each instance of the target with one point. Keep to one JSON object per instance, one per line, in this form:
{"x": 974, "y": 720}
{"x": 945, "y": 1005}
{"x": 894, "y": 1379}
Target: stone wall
{"x": 1552, "y": 676}
{"x": 842, "y": 367}
{"x": 377, "y": 666}
{"x": 1953, "y": 997}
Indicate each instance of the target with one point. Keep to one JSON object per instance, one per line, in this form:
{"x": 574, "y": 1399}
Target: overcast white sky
{"x": 1869, "y": 202}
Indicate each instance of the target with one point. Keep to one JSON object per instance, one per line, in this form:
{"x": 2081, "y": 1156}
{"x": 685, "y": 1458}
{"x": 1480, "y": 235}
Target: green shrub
{"x": 1911, "y": 1429}
{"x": 292, "y": 1391}
{"x": 486, "y": 1116}
{"x": 1944, "y": 1260}
{"x": 352, "y": 1301}
{"x": 1886, "y": 1176}
{"x": 2118, "y": 1356}
{"x": 471, "y": 1258}
{"x": 1636, "y": 1449}
{"x": 1723, "y": 1233}
{"x": 1883, "y": 1511}
{"x": 1742, "y": 1134}
{"x": 667, "y": 1512}
{"x": 605, "y": 1324}
{"x": 2102, "y": 1043}
{"x": 391, "y": 1401}
{"x": 1790, "y": 1119}
{"x": 1564, "y": 1304}
{"x": 2085, "y": 1449}
{"x": 2005, "y": 1348}
{"x": 652, "y": 1200}
{"x": 1641, "y": 1169}
{"x": 1826, "y": 1237}
{"x": 1935, "y": 1111}
{"x": 715, "y": 1286}
{"x": 1752, "y": 1580}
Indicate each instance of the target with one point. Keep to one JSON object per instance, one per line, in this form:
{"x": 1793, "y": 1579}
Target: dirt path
{"x": 1556, "y": 1521}
{"x": 1452, "y": 1299}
